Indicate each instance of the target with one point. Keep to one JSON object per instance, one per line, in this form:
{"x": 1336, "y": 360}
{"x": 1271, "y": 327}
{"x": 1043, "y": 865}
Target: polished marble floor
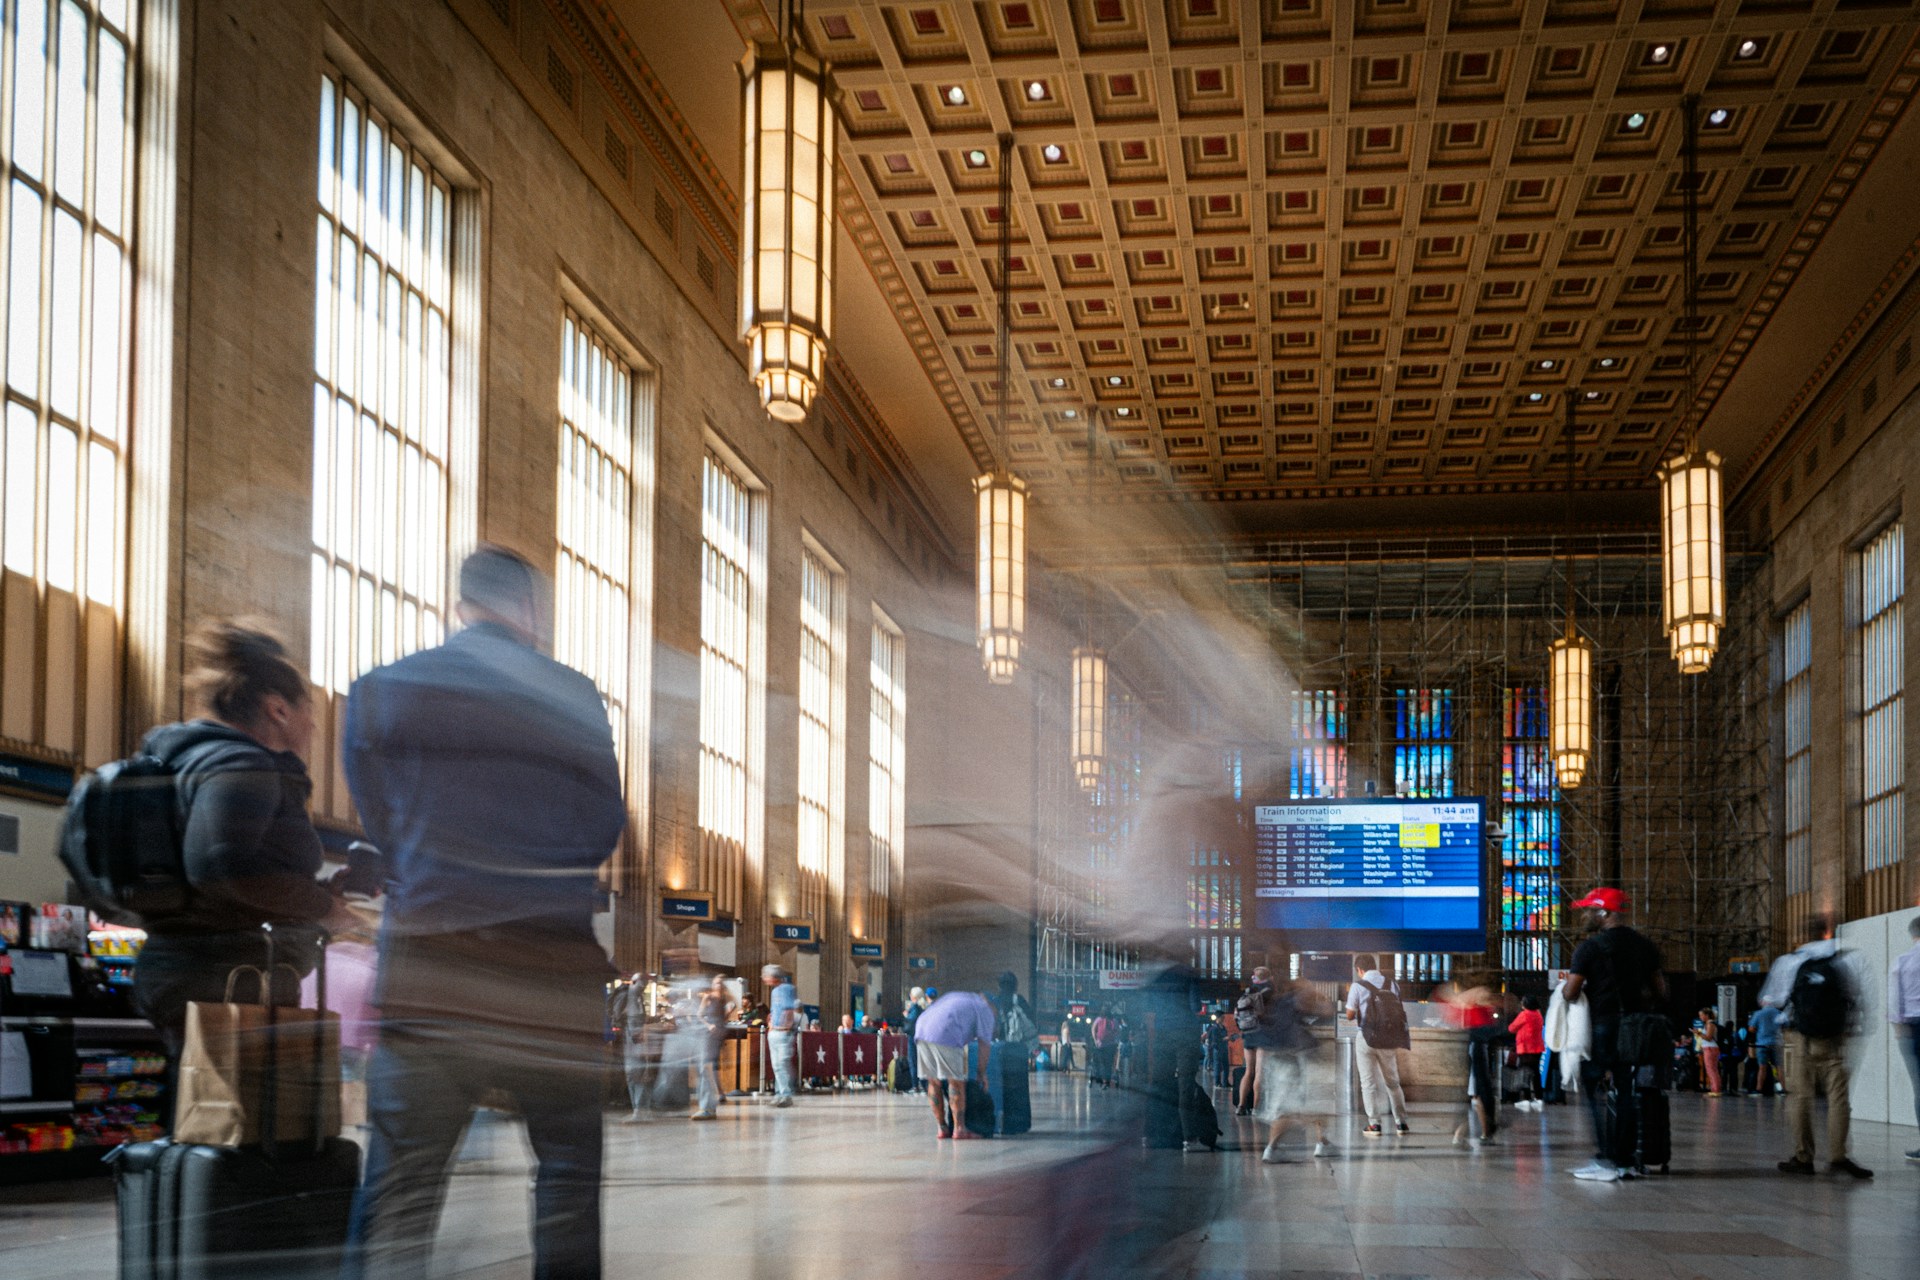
{"x": 855, "y": 1186}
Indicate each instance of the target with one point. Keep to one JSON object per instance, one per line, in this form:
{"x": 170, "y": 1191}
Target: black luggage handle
{"x": 270, "y": 1078}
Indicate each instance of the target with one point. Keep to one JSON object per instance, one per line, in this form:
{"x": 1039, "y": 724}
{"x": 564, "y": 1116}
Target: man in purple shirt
{"x": 941, "y": 1035}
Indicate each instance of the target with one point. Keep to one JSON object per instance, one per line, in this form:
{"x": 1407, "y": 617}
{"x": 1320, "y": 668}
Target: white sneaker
{"x": 1322, "y": 1150}
{"x": 1598, "y": 1171}
{"x": 1272, "y": 1155}
{"x": 1195, "y": 1146}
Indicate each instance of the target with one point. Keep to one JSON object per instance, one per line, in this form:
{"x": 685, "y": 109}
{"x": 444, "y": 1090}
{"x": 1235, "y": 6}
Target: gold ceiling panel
{"x": 1314, "y": 246}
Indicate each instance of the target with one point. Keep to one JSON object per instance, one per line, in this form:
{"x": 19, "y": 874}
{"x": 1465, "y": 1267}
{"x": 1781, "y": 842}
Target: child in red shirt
{"x": 1528, "y": 1044}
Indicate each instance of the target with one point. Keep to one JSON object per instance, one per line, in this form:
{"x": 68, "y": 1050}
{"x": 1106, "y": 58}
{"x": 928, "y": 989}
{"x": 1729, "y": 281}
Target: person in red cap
{"x": 1618, "y": 971}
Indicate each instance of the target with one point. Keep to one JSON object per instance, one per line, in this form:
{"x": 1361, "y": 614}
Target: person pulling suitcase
{"x": 240, "y": 1209}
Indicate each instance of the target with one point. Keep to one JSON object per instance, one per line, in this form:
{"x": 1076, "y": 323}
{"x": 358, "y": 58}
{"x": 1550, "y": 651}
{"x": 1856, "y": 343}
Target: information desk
{"x": 1433, "y": 1070}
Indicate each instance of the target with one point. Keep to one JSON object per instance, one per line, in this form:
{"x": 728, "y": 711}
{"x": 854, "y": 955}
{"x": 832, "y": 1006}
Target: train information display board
{"x": 1371, "y": 875}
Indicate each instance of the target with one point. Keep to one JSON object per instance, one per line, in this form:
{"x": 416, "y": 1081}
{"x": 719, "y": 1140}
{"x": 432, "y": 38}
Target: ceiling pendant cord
{"x": 1572, "y": 395}
{"x": 1690, "y": 247}
{"x": 1006, "y": 290}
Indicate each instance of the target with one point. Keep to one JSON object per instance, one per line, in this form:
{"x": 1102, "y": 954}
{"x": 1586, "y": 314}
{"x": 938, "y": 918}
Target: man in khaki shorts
{"x": 941, "y": 1037}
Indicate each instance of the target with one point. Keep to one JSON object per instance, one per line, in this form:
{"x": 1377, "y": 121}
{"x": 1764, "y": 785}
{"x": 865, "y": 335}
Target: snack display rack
{"x": 80, "y": 1078}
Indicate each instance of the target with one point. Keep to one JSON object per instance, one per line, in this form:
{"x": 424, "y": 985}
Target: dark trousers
{"x": 1615, "y": 1107}
{"x": 1908, "y": 1034}
{"x": 1529, "y": 1064}
{"x": 531, "y": 1031}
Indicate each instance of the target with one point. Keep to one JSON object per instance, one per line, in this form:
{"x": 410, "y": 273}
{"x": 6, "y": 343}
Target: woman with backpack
{"x": 1292, "y": 1086}
{"x": 248, "y": 852}
{"x": 1249, "y": 1021}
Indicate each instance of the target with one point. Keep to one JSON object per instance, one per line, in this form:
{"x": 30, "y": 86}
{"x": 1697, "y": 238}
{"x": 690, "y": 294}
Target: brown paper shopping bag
{"x": 240, "y": 1060}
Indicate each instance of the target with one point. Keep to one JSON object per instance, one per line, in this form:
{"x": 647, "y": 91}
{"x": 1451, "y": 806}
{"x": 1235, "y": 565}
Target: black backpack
{"x": 121, "y": 841}
{"x": 1383, "y": 1019}
{"x": 1821, "y": 1005}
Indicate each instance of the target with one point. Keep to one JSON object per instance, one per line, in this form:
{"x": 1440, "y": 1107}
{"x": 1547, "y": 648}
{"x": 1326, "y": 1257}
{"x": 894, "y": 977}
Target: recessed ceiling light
{"x": 1719, "y": 116}
{"x": 1036, "y": 89}
{"x": 1607, "y": 362}
{"x": 1660, "y": 53}
{"x": 1534, "y": 397}
{"x": 1114, "y": 379}
{"x": 1747, "y": 49}
{"x": 977, "y": 158}
{"x": 1546, "y": 364}
{"x": 1053, "y": 152}
{"x": 1056, "y": 382}
{"x": 956, "y": 96}
{"x": 1069, "y": 413}
{"x": 1593, "y": 395}
{"x": 1123, "y": 412}
{"x": 1636, "y": 121}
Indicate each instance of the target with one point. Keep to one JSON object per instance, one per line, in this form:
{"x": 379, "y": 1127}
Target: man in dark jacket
{"x": 487, "y": 773}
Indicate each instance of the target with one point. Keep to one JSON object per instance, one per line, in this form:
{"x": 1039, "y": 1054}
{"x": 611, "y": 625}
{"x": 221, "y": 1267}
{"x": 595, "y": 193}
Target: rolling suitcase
{"x": 189, "y": 1212}
{"x": 1016, "y": 1107}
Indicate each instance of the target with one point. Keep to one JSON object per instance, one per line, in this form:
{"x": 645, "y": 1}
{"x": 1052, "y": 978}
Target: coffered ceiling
{"x": 1349, "y": 255}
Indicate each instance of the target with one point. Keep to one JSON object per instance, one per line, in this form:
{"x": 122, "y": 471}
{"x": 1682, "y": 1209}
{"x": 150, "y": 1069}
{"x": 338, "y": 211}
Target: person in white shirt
{"x": 1903, "y": 1011}
{"x": 1379, "y": 1068}
{"x": 1817, "y": 1024}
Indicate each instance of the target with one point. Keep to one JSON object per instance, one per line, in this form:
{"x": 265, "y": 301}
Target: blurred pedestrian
{"x": 715, "y": 1010}
{"x": 784, "y": 1024}
{"x": 1903, "y": 1012}
{"x": 1818, "y": 988}
{"x": 1293, "y": 1086}
{"x": 486, "y": 772}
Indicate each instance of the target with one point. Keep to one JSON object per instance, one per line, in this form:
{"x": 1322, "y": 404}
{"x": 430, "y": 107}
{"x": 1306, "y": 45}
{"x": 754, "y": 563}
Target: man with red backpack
{"x": 1374, "y": 1002}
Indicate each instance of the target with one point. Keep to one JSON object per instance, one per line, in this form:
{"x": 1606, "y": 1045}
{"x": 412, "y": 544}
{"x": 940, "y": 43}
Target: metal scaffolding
{"x": 1675, "y": 809}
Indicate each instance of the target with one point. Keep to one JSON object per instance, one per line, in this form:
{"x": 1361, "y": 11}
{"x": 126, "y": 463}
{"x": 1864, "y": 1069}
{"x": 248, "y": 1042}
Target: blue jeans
{"x": 780, "y": 1045}
{"x": 1909, "y": 1036}
{"x": 531, "y": 1007}
{"x": 423, "y": 1084}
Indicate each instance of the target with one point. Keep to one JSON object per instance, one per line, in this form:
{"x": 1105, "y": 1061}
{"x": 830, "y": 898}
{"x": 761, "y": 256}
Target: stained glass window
{"x": 1423, "y": 733}
{"x": 1318, "y": 755}
{"x": 1530, "y": 846}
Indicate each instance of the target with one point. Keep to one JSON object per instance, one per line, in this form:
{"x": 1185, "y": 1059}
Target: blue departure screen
{"x": 1371, "y": 875}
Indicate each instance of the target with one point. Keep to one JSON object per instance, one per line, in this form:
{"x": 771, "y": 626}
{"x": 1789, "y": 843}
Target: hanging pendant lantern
{"x": 1570, "y": 708}
{"x": 1089, "y": 715}
{"x": 1002, "y": 563}
{"x": 1692, "y": 557}
{"x": 1693, "y": 578}
{"x": 786, "y": 242}
{"x": 1001, "y": 497}
{"x": 1570, "y": 660}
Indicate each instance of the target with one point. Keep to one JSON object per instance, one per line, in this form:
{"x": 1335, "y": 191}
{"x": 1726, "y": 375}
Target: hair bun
{"x": 236, "y": 663}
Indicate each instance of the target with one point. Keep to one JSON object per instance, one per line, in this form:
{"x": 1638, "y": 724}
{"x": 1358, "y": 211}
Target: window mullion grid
{"x": 380, "y": 402}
